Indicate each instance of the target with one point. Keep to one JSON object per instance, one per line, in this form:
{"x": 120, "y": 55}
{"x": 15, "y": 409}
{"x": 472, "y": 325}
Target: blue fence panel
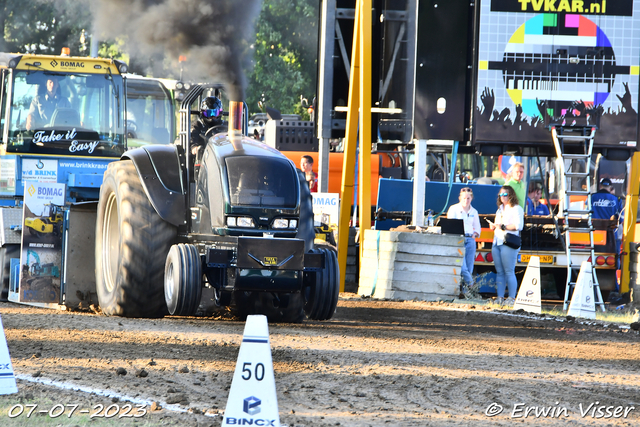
{"x": 397, "y": 195}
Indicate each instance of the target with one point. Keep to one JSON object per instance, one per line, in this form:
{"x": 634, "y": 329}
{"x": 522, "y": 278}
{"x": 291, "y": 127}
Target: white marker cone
{"x": 252, "y": 398}
{"x": 7, "y": 379}
{"x": 582, "y": 301}
{"x": 529, "y": 296}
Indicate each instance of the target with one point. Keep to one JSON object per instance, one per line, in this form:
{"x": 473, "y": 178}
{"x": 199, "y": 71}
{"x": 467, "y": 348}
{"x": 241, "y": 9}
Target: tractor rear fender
{"x": 161, "y": 176}
{"x": 306, "y": 230}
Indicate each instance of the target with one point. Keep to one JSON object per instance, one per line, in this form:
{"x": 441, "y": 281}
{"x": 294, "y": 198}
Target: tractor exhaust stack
{"x": 235, "y": 124}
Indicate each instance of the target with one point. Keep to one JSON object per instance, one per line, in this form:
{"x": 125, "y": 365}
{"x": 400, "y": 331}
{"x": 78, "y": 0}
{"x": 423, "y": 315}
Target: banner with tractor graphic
{"x": 41, "y": 257}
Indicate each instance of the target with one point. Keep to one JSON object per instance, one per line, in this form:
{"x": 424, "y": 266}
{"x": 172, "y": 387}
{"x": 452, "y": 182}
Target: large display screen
{"x": 562, "y": 62}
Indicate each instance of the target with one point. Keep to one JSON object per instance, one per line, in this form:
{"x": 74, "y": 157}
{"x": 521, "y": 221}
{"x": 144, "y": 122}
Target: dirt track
{"x": 375, "y": 363}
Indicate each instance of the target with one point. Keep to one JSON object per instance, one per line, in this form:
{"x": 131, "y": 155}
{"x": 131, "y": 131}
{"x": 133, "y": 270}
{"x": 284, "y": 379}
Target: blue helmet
{"x": 211, "y": 111}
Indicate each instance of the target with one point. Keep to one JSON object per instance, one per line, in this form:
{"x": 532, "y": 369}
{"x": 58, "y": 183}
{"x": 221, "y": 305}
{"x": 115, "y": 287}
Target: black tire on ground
{"x": 288, "y": 309}
{"x": 244, "y": 303}
{"x": 328, "y": 286}
{"x": 294, "y": 312}
{"x": 334, "y": 278}
{"x": 132, "y": 243}
{"x": 183, "y": 280}
{"x": 322, "y": 295}
{"x": 7, "y": 252}
{"x": 313, "y": 292}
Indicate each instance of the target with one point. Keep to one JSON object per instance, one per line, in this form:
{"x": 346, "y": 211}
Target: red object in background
{"x": 313, "y": 186}
{"x": 506, "y": 162}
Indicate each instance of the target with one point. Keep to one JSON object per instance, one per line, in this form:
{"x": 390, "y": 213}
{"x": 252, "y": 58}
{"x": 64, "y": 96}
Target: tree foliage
{"x": 285, "y": 57}
{"x": 284, "y": 53}
{"x": 44, "y": 26}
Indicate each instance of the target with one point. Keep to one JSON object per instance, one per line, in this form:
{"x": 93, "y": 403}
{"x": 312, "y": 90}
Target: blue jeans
{"x": 468, "y": 260}
{"x": 504, "y": 259}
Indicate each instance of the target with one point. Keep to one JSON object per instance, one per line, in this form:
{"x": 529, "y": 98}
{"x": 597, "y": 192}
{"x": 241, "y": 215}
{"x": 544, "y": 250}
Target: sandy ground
{"x": 376, "y": 363}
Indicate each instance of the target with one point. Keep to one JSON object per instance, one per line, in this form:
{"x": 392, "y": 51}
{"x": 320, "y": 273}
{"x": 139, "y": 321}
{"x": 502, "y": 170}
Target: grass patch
{"x": 624, "y": 316}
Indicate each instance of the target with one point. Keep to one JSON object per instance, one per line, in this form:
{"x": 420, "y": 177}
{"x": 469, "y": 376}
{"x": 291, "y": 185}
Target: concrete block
{"x": 390, "y": 258}
{"x": 411, "y": 282}
{"x": 414, "y": 248}
{"x": 402, "y": 265}
{"x": 421, "y": 271}
{"x": 428, "y": 292}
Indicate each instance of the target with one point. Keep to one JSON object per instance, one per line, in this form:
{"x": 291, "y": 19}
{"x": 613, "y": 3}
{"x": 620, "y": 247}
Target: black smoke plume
{"x": 214, "y": 35}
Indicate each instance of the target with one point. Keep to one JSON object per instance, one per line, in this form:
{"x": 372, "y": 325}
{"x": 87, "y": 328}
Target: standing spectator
{"x": 606, "y": 205}
{"x": 604, "y": 202}
{"x": 469, "y": 215}
{"x": 306, "y": 164}
{"x": 517, "y": 183}
{"x": 509, "y": 219}
{"x": 534, "y": 207}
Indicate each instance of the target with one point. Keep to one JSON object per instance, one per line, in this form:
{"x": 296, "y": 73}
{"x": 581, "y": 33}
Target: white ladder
{"x": 583, "y": 136}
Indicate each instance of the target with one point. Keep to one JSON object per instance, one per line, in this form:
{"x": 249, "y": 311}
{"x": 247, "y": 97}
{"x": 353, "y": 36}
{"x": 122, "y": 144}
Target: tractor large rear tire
{"x": 132, "y": 243}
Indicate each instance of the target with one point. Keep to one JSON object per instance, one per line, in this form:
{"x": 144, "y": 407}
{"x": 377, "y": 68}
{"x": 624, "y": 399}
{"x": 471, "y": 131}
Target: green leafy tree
{"x": 115, "y": 49}
{"x": 285, "y": 55}
{"x": 43, "y": 26}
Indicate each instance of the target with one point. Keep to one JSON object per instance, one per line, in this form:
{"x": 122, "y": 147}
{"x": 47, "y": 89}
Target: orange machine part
{"x": 599, "y": 237}
{"x": 335, "y": 169}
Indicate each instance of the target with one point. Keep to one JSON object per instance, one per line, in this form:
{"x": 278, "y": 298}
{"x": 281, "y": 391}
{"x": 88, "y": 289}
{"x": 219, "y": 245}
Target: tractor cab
{"x": 62, "y": 107}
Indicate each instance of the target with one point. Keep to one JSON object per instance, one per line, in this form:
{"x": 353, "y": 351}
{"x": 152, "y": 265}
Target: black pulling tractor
{"x": 234, "y": 222}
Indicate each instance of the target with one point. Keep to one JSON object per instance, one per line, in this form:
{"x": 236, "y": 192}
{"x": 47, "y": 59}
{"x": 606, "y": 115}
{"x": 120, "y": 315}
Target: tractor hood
{"x": 251, "y": 191}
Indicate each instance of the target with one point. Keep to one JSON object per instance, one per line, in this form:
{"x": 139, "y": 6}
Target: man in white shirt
{"x": 469, "y": 215}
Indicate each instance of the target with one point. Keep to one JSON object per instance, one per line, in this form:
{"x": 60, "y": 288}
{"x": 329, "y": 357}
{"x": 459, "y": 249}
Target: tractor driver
{"x": 44, "y": 104}
{"x": 210, "y": 116}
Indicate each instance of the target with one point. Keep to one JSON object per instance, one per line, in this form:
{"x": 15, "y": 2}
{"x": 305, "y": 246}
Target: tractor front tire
{"x": 321, "y": 293}
{"x": 183, "y": 280}
{"x": 333, "y": 272}
{"x": 132, "y": 243}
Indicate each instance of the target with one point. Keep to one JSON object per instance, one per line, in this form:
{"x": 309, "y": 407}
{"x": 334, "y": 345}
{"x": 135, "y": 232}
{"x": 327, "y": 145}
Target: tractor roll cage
{"x": 185, "y": 121}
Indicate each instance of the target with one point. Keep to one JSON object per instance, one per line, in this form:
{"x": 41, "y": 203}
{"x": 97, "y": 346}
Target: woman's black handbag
{"x": 512, "y": 240}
